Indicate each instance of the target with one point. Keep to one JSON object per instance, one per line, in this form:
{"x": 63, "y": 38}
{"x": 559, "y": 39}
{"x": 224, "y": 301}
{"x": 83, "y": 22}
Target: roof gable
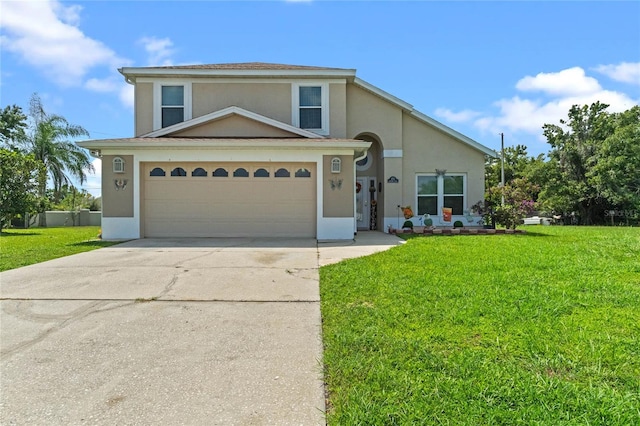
{"x": 271, "y": 70}
{"x": 225, "y": 122}
{"x": 423, "y": 117}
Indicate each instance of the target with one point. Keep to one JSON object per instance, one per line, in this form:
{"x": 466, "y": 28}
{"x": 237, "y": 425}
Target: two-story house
{"x": 257, "y": 149}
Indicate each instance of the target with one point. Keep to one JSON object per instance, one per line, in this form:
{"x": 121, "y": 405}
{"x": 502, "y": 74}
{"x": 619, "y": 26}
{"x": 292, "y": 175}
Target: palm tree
{"x": 48, "y": 140}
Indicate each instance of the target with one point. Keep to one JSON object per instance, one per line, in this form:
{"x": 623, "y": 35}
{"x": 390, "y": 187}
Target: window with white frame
{"x": 435, "y": 192}
{"x": 336, "y": 165}
{"x": 118, "y": 165}
{"x": 310, "y": 107}
{"x": 453, "y": 186}
{"x": 427, "y": 195}
{"x": 172, "y": 103}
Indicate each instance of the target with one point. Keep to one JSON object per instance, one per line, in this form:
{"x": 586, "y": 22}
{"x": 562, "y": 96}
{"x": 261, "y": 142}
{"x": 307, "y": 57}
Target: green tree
{"x": 574, "y": 154}
{"x": 13, "y": 123}
{"x": 517, "y": 163}
{"x": 50, "y": 140}
{"x": 70, "y": 198}
{"x": 20, "y": 177}
{"x": 518, "y": 201}
{"x": 616, "y": 174}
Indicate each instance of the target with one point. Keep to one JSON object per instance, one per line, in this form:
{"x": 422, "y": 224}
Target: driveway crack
{"x": 22, "y": 311}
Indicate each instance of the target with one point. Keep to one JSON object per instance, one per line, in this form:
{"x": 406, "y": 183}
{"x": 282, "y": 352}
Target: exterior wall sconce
{"x": 441, "y": 172}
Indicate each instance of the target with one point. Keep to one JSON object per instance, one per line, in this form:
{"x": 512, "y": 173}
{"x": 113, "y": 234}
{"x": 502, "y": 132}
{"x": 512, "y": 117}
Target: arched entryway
{"x": 370, "y": 186}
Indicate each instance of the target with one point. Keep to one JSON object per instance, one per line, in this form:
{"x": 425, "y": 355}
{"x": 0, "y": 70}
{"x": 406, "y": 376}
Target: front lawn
{"x": 541, "y": 328}
{"x": 21, "y": 247}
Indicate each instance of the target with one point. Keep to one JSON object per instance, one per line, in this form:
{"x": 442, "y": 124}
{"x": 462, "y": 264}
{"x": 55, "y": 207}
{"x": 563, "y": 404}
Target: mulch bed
{"x": 460, "y": 231}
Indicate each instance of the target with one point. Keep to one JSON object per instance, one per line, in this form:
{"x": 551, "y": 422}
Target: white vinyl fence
{"x": 70, "y": 218}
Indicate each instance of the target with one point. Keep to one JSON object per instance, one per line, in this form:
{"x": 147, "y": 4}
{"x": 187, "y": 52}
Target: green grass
{"x": 21, "y": 247}
{"x": 541, "y": 328}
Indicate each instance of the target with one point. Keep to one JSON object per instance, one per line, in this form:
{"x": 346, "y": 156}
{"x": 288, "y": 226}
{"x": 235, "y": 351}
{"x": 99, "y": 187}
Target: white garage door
{"x": 229, "y": 199}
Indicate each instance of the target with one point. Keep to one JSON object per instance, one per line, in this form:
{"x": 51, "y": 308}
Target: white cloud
{"x": 158, "y": 50}
{"x": 46, "y": 35}
{"x": 93, "y": 184}
{"x": 526, "y": 114}
{"x": 457, "y": 117}
{"x": 101, "y": 85}
{"x": 625, "y": 72}
{"x": 68, "y": 14}
{"x": 126, "y": 95}
{"x": 571, "y": 81}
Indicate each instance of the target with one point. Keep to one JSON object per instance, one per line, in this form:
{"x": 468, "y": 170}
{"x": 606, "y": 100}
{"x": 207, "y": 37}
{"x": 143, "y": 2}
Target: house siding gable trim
{"x": 225, "y": 113}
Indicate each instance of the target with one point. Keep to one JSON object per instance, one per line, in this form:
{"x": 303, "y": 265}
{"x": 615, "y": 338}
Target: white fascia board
{"x": 244, "y": 80}
{"x": 381, "y": 93}
{"x": 448, "y": 130}
{"x": 233, "y": 144}
{"x": 225, "y": 112}
{"x": 131, "y": 73}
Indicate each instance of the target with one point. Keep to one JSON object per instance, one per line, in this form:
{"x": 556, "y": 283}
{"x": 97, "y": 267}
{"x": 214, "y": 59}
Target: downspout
{"x": 355, "y": 160}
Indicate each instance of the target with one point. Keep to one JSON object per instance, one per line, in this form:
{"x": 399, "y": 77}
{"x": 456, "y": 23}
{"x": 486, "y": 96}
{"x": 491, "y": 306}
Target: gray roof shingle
{"x": 248, "y": 66}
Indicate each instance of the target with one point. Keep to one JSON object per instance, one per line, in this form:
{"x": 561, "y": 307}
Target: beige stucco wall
{"x": 117, "y": 203}
{"x": 367, "y": 113}
{"x": 143, "y": 108}
{"x": 272, "y": 100}
{"x": 372, "y": 115}
{"x": 426, "y": 148}
{"x": 338, "y": 202}
{"x": 338, "y": 110}
{"x": 235, "y": 126}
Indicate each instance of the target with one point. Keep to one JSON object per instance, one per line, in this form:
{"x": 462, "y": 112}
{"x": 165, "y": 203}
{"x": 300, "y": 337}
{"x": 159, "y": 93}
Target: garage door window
{"x": 157, "y": 172}
{"x": 199, "y": 172}
{"x": 178, "y": 171}
{"x": 303, "y": 173}
{"x": 262, "y": 173}
{"x": 220, "y": 172}
{"x": 283, "y": 173}
{"x": 241, "y": 173}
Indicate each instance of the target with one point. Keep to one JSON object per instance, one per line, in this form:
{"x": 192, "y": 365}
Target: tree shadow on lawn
{"x": 18, "y": 234}
{"x": 95, "y": 243}
{"x": 535, "y": 234}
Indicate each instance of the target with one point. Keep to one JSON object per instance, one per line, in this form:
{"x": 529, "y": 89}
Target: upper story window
{"x": 311, "y": 107}
{"x": 172, "y": 103}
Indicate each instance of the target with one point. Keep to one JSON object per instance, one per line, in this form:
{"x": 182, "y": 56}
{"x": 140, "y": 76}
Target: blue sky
{"x": 479, "y": 67}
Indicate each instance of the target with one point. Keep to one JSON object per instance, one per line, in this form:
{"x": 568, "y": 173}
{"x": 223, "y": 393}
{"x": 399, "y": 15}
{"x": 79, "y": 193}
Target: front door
{"x": 365, "y": 212}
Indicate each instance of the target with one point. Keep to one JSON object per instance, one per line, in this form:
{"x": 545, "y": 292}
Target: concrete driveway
{"x": 169, "y": 331}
